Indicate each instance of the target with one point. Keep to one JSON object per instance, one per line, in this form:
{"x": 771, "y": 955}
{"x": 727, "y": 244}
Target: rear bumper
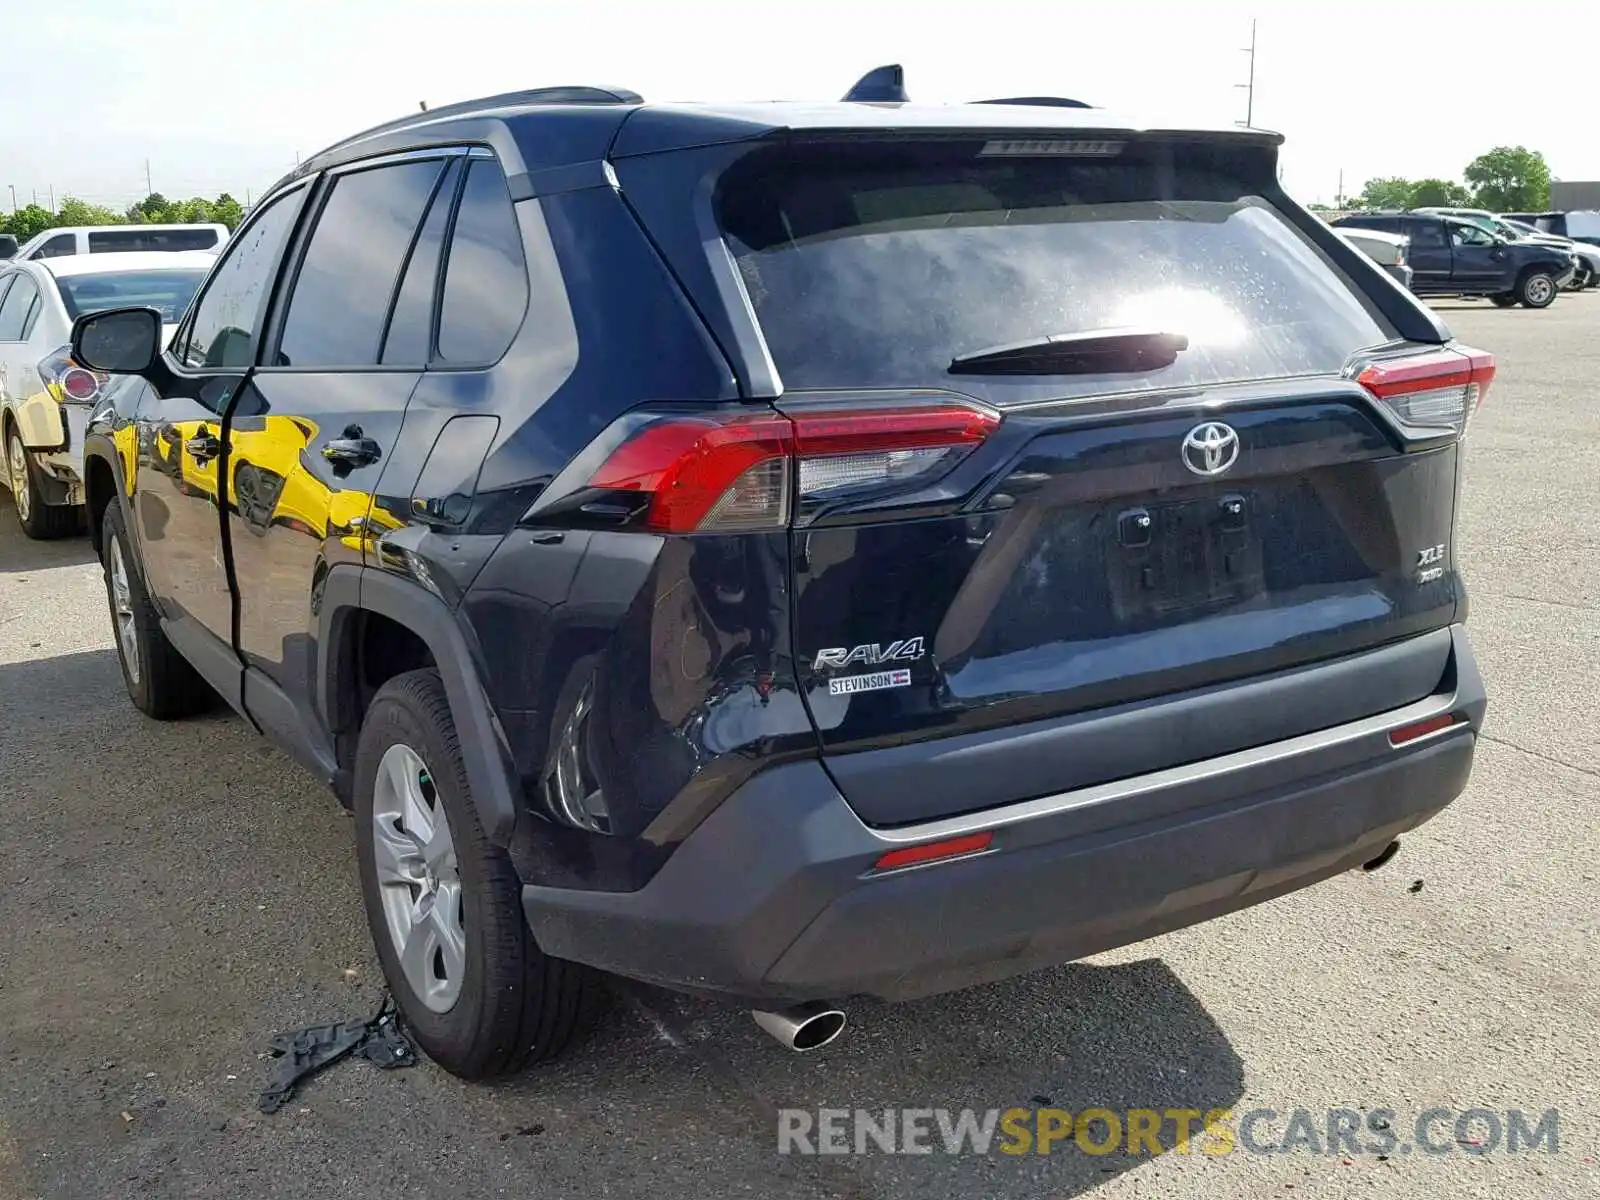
{"x": 773, "y": 898}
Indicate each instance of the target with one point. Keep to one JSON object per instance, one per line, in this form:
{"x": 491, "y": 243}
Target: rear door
{"x": 1431, "y": 261}
{"x": 314, "y": 426}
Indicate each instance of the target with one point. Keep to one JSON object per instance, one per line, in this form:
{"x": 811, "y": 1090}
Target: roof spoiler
{"x": 1042, "y": 101}
{"x": 881, "y": 85}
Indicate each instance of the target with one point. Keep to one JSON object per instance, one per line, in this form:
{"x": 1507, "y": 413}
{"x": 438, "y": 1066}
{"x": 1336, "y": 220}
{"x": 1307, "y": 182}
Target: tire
{"x": 160, "y": 681}
{"x": 40, "y": 521}
{"x": 1504, "y": 300}
{"x": 495, "y": 1003}
{"x": 1536, "y": 289}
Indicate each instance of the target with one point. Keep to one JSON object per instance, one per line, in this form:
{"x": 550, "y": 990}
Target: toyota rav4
{"x": 790, "y": 552}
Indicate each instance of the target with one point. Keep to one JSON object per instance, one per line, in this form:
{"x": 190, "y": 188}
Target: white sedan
{"x": 45, "y": 397}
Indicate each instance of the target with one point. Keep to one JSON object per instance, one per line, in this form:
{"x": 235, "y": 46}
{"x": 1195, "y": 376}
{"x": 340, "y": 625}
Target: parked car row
{"x": 45, "y": 394}
{"x": 1473, "y": 253}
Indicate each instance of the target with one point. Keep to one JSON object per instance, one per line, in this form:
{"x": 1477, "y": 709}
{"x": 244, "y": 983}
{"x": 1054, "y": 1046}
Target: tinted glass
{"x": 17, "y": 310}
{"x": 412, "y": 320}
{"x": 875, "y": 264}
{"x": 226, "y": 329}
{"x": 1425, "y": 234}
{"x": 169, "y": 292}
{"x": 60, "y": 246}
{"x": 342, "y": 292}
{"x": 118, "y": 240}
{"x": 1470, "y": 235}
{"x": 485, "y": 280}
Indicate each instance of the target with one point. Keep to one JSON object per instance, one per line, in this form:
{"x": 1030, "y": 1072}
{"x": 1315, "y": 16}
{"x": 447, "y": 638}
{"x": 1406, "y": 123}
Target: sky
{"x": 226, "y": 97}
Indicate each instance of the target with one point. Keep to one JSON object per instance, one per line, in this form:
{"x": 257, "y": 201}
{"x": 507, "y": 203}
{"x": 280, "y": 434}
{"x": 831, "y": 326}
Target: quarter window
{"x": 342, "y": 292}
{"x": 486, "y": 278}
{"x": 226, "y": 330}
{"x": 60, "y": 246}
{"x": 20, "y": 309}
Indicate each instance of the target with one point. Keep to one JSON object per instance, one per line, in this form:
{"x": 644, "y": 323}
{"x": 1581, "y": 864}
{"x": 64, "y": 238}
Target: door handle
{"x": 352, "y": 450}
{"x": 203, "y": 446}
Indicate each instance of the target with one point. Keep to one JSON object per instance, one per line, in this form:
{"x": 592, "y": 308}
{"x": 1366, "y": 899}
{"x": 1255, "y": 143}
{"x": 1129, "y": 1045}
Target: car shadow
{"x": 213, "y": 886}
{"x": 20, "y": 553}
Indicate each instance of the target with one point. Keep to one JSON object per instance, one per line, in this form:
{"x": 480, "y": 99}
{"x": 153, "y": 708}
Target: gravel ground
{"x": 173, "y": 895}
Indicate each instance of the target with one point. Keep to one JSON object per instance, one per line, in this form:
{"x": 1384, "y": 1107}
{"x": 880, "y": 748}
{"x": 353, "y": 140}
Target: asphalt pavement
{"x": 171, "y": 896}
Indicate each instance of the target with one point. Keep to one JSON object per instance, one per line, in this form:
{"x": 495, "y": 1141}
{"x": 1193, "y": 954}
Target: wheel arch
{"x": 354, "y": 601}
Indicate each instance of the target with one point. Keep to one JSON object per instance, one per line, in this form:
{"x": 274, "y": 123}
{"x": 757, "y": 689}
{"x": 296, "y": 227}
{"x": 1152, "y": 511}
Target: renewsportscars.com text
{"x": 1345, "y": 1132}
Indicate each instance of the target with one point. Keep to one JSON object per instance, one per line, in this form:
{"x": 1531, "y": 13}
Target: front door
{"x": 1479, "y": 258}
{"x": 178, "y": 501}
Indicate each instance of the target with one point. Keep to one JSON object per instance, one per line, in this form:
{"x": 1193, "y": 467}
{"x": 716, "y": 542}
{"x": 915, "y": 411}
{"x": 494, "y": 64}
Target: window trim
{"x": 434, "y": 362}
{"x": 170, "y": 355}
{"x": 300, "y": 242}
{"x": 436, "y": 301}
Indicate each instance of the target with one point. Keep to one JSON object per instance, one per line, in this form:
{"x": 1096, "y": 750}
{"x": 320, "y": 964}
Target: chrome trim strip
{"x": 1211, "y": 768}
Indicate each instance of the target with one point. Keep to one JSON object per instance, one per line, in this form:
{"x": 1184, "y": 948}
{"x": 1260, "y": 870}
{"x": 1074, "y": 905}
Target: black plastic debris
{"x": 299, "y": 1055}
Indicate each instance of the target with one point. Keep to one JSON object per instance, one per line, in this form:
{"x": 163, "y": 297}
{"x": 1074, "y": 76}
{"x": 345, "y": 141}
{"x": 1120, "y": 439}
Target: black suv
{"x": 788, "y": 552}
{"x": 1450, "y": 256}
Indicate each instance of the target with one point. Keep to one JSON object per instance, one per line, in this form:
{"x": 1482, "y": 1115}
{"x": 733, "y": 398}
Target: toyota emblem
{"x": 1210, "y": 448}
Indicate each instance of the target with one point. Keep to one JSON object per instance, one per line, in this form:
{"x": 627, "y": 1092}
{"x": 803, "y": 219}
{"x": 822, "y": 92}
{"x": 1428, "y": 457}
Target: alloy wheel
{"x": 122, "y": 610}
{"x": 419, "y": 879}
{"x": 18, "y": 461}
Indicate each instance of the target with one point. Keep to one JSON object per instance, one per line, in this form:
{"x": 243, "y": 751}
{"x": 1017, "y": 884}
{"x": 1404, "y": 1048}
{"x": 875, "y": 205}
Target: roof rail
{"x": 1043, "y": 101}
{"x": 881, "y": 85}
{"x": 578, "y": 94}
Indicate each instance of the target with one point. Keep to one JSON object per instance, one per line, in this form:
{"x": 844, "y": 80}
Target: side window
{"x": 1425, "y": 234}
{"x": 352, "y": 264}
{"x": 19, "y": 310}
{"x": 485, "y": 277}
{"x": 60, "y": 246}
{"x": 1470, "y": 235}
{"x": 412, "y": 319}
{"x": 115, "y": 240}
{"x": 225, "y": 331}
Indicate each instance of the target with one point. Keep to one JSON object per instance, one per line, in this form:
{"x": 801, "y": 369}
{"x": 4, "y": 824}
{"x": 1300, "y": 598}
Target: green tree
{"x": 27, "y": 221}
{"x": 1439, "y": 193}
{"x": 78, "y": 212}
{"x": 1389, "y": 192}
{"x": 1510, "y": 179}
{"x": 153, "y": 208}
{"x": 227, "y": 210}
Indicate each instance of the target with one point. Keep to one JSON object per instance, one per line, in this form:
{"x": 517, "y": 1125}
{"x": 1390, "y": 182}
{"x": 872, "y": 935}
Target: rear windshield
{"x": 167, "y": 291}
{"x": 118, "y": 240}
{"x": 876, "y": 264}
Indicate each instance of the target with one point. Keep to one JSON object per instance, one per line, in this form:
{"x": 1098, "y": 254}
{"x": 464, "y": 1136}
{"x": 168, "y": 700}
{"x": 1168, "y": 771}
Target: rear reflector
{"x": 1442, "y": 387}
{"x": 1421, "y": 729}
{"x": 910, "y": 856}
{"x": 735, "y": 471}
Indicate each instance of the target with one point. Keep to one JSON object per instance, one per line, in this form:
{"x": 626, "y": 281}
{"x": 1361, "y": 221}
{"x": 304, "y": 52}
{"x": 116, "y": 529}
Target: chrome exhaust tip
{"x": 1389, "y": 851}
{"x": 803, "y": 1027}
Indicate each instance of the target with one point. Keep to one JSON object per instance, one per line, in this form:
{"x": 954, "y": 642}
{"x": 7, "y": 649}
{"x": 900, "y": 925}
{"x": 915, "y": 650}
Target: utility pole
{"x": 1250, "y": 87}
{"x": 13, "y": 188}
{"x": 52, "y": 197}
{"x": 424, "y": 104}
{"x": 149, "y": 188}
{"x": 1338, "y": 196}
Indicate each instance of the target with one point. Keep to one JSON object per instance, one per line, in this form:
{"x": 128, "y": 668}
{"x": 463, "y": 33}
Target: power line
{"x": 1250, "y": 86}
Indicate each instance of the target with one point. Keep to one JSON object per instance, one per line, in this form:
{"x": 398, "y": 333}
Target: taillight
{"x": 71, "y": 383}
{"x": 1435, "y": 388}
{"x": 740, "y": 471}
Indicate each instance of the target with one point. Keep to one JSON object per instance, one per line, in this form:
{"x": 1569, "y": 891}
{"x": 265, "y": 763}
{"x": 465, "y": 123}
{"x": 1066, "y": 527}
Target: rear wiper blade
{"x": 1090, "y": 352}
